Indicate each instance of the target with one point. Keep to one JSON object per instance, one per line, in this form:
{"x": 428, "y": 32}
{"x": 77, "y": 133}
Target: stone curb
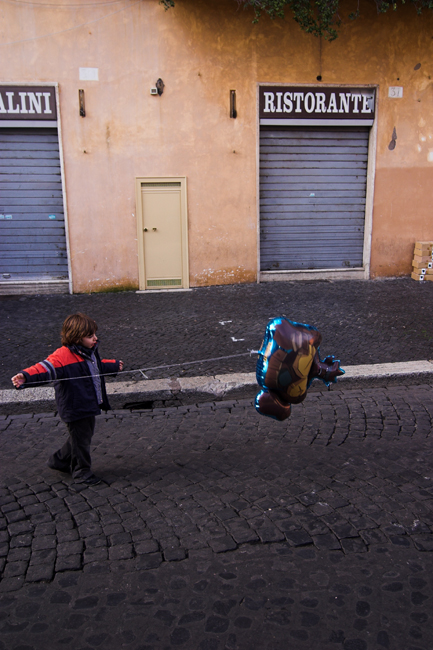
{"x": 155, "y": 393}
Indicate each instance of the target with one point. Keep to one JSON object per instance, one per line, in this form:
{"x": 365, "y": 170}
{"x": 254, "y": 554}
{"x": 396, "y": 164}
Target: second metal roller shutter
{"x": 312, "y": 197}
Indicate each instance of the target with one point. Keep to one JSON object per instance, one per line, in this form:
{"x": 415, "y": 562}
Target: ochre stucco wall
{"x": 201, "y": 50}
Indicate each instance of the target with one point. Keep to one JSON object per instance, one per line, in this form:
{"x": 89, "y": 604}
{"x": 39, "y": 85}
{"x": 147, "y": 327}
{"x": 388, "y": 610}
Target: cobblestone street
{"x": 220, "y": 529}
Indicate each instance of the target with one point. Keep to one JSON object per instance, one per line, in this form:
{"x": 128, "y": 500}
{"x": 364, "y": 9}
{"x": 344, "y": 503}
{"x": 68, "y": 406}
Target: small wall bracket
{"x": 81, "y": 103}
{"x": 160, "y": 86}
{"x": 233, "y": 111}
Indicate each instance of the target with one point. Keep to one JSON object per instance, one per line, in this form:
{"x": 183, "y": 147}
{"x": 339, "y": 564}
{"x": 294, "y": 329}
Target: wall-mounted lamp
{"x": 233, "y": 111}
{"x": 160, "y": 86}
{"x": 81, "y": 102}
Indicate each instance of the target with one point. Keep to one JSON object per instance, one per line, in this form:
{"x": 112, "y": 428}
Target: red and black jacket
{"x": 76, "y": 395}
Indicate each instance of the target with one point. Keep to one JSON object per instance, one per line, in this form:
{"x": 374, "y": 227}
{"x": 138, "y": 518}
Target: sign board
{"x": 395, "y": 92}
{"x": 293, "y": 104}
{"x": 28, "y": 103}
{"x": 89, "y": 74}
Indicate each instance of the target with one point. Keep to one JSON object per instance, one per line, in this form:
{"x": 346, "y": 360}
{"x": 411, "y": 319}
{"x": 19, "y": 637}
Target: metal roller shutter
{"x": 312, "y": 197}
{"x": 32, "y": 227}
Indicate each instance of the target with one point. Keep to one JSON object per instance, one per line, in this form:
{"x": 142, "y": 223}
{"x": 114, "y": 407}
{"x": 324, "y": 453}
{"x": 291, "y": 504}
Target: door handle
{"x": 154, "y": 229}
{"x": 145, "y": 229}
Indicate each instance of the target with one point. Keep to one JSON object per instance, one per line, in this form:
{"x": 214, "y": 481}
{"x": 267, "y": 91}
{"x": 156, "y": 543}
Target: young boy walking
{"x": 77, "y": 372}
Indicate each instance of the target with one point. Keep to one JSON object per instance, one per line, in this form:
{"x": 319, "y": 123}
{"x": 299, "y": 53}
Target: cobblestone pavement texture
{"x": 361, "y": 322}
{"x": 220, "y": 529}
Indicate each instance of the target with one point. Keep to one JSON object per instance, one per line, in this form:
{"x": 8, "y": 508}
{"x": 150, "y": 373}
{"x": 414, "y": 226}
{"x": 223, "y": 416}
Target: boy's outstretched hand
{"x": 120, "y": 365}
{"x": 18, "y": 380}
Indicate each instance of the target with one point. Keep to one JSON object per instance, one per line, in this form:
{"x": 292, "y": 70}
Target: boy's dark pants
{"x": 74, "y": 456}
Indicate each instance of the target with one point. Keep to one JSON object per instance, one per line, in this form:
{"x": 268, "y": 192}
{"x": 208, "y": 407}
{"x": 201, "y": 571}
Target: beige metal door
{"x": 162, "y": 233}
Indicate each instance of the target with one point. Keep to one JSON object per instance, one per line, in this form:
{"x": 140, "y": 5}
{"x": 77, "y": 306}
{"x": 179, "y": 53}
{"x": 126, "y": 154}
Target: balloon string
{"x": 144, "y": 370}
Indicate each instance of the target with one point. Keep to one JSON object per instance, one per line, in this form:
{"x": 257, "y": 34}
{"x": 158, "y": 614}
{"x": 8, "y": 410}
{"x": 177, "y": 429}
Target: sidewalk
{"x": 375, "y": 328}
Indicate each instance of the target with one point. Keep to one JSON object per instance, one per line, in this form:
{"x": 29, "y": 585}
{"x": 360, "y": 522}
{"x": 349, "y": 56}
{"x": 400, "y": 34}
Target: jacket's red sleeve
{"x": 45, "y": 371}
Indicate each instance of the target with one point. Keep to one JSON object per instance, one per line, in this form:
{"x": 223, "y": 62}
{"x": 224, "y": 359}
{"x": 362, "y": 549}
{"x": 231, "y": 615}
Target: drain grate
{"x": 143, "y": 406}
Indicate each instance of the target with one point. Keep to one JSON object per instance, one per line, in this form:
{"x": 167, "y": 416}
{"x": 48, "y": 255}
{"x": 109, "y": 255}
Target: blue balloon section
{"x": 288, "y": 362}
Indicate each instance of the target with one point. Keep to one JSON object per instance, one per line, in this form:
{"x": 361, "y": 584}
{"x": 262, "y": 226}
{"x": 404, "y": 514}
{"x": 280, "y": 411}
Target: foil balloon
{"x": 288, "y": 362}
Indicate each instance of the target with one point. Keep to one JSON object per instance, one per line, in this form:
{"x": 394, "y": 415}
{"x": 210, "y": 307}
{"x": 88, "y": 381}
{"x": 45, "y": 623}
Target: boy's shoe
{"x": 53, "y": 464}
{"x": 92, "y": 480}
{"x": 79, "y": 486}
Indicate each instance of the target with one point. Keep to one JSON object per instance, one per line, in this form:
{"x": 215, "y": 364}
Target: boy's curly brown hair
{"x": 76, "y": 327}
